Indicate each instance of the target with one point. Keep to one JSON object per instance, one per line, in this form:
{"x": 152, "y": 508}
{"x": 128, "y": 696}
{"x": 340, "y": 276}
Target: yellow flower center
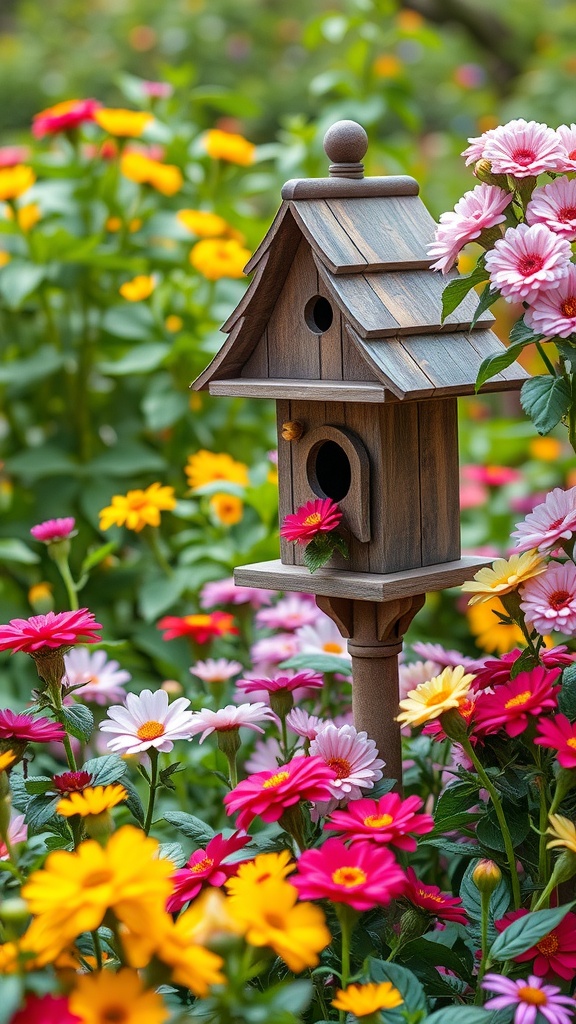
{"x": 341, "y": 766}
{"x": 276, "y": 780}
{"x": 571, "y": 742}
{"x": 350, "y": 878}
{"x": 534, "y": 996}
{"x": 202, "y": 865}
{"x": 430, "y": 896}
{"x": 518, "y": 700}
{"x": 197, "y": 620}
{"x": 313, "y": 520}
{"x": 96, "y": 878}
{"x": 568, "y": 307}
{"x": 113, "y": 1015}
{"x": 378, "y": 820}
{"x": 274, "y": 920}
{"x": 332, "y": 648}
{"x": 150, "y": 731}
{"x": 549, "y": 944}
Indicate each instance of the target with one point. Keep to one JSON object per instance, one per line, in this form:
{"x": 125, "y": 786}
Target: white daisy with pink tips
{"x": 231, "y": 718}
{"x": 147, "y": 720}
{"x": 549, "y": 600}
{"x": 551, "y": 522}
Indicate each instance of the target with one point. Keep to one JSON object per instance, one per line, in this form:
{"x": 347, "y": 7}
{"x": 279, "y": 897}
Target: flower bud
{"x": 486, "y": 876}
{"x": 483, "y": 171}
{"x": 454, "y": 724}
{"x": 14, "y": 911}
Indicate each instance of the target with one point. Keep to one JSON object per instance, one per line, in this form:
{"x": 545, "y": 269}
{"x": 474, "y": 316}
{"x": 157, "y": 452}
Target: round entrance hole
{"x": 318, "y": 314}
{"x": 329, "y": 471}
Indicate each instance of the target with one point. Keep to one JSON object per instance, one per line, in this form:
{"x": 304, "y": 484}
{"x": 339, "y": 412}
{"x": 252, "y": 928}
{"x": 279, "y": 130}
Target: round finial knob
{"x": 345, "y": 143}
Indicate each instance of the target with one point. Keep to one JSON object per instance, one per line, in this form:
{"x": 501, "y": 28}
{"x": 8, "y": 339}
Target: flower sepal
{"x": 454, "y": 725}
{"x": 320, "y": 549}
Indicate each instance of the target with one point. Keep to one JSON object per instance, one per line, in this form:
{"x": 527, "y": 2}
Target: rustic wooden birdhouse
{"x": 341, "y": 324}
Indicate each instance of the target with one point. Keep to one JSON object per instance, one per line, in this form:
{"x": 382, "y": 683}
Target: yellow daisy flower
{"x": 563, "y": 832}
{"x": 173, "y": 323}
{"x": 5, "y": 258}
{"x": 505, "y": 576}
{"x": 219, "y": 257}
{"x": 138, "y": 509}
{"x": 205, "y": 467}
{"x": 14, "y": 181}
{"x": 227, "y": 508}
{"x": 265, "y": 866}
{"x": 103, "y": 997}
{"x": 362, "y": 1000}
{"x": 140, "y": 287}
{"x": 431, "y": 699}
{"x": 492, "y": 635}
{"x": 123, "y": 122}
{"x": 92, "y": 800}
{"x": 165, "y": 178}
{"x": 175, "y": 943}
{"x": 229, "y": 146}
{"x": 203, "y": 223}
{"x": 28, "y": 216}
{"x": 41, "y": 944}
{"x": 7, "y": 758}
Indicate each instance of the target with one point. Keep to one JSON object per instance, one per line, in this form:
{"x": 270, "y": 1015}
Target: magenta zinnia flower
{"x": 512, "y": 704}
{"x": 287, "y": 682}
{"x": 477, "y": 210}
{"x": 497, "y": 670}
{"x": 559, "y": 733}
{"x": 553, "y": 311}
{"x": 45, "y": 1010}
{"x": 387, "y": 820}
{"x": 71, "y": 782}
{"x": 352, "y": 756}
{"x": 549, "y": 602}
{"x": 523, "y": 149}
{"x": 268, "y": 794}
{"x": 555, "y": 206}
{"x": 226, "y": 592}
{"x": 53, "y": 529}
{"x": 63, "y": 116}
{"x": 319, "y": 516}
{"x": 549, "y": 523}
{"x": 433, "y": 900}
{"x": 230, "y": 718}
{"x": 363, "y": 876}
{"x": 527, "y": 260}
{"x": 56, "y": 629}
{"x": 530, "y": 997}
{"x": 27, "y": 729}
{"x": 206, "y": 867}
{"x": 555, "y": 953}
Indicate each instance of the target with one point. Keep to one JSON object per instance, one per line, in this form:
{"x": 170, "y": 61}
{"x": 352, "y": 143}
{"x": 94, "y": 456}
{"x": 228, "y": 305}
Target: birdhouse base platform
{"x": 359, "y": 586}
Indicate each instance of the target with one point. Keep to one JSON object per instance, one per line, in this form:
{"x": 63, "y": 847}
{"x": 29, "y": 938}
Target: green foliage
{"x": 526, "y": 932}
{"x": 546, "y": 400}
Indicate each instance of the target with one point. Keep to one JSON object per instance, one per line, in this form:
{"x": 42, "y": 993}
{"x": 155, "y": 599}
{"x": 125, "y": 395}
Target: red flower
{"x": 319, "y": 516}
{"x": 201, "y": 628}
{"x": 206, "y": 867}
{"x": 555, "y": 953}
{"x": 27, "y": 729}
{"x": 45, "y": 1010}
{"x": 270, "y": 793}
{"x": 559, "y": 734}
{"x": 63, "y": 116}
{"x": 497, "y": 670}
{"x": 71, "y": 782}
{"x": 56, "y": 629}
{"x": 363, "y": 876}
{"x": 387, "y": 820}
{"x": 509, "y": 707}
{"x": 431, "y": 899}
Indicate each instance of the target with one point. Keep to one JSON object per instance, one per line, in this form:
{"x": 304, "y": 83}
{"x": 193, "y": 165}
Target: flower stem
{"x": 64, "y": 570}
{"x": 347, "y": 918}
{"x": 153, "y": 755}
{"x": 549, "y": 366}
{"x": 97, "y": 949}
{"x": 484, "y": 920}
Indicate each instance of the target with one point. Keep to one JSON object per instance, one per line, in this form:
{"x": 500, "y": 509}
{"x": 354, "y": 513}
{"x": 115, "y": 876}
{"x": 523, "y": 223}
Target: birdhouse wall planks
{"x": 341, "y": 324}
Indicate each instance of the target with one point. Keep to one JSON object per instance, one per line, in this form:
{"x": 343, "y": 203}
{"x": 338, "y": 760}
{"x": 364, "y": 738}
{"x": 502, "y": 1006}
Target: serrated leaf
{"x": 520, "y": 333}
{"x": 319, "y": 663}
{"x": 487, "y": 299}
{"x": 106, "y": 769}
{"x": 317, "y": 552}
{"x": 526, "y": 932}
{"x": 492, "y": 365}
{"x": 39, "y": 811}
{"x": 545, "y": 400}
{"x": 173, "y": 852}
{"x": 78, "y": 720}
{"x": 567, "y": 695}
{"x": 457, "y": 290}
{"x": 190, "y": 826}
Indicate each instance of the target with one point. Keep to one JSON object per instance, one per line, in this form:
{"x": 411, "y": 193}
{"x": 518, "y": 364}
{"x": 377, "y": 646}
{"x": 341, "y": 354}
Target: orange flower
{"x": 227, "y": 508}
{"x": 123, "y": 122}
{"x": 14, "y": 181}
{"x": 138, "y": 288}
{"x": 166, "y": 178}
{"x": 229, "y": 146}
{"x": 138, "y": 509}
{"x": 219, "y": 257}
{"x": 203, "y": 223}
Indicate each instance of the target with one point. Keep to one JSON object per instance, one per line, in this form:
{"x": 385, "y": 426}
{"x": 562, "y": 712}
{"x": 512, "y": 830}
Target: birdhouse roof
{"x": 369, "y": 240}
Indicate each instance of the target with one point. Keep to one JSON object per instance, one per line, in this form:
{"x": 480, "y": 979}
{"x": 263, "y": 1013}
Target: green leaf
{"x": 13, "y": 550}
{"x": 39, "y": 811}
{"x": 492, "y": 365}
{"x": 47, "y": 460}
{"x": 173, "y": 852}
{"x": 18, "y": 280}
{"x": 407, "y": 984}
{"x": 520, "y": 333}
{"x": 489, "y": 833}
{"x": 457, "y": 290}
{"x": 527, "y": 660}
{"x": 470, "y": 896}
{"x": 23, "y": 374}
{"x": 39, "y": 785}
{"x": 134, "y": 803}
{"x": 435, "y": 954}
{"x": 487, "y": 299}
{"x": 319, "y": 663}
{"x": 459, "y": 1015}
{"x": 567, "y": 696}
{"x": 11, "y": 998}
{"x": 126, "y": 459}
{"x": 219, "y": 487}
{"x": 106, "y": 769}
{"x": 318, "y": 551}
{"x": 95, "y": 557}
{"x": 78, "y": 721}
{"x": 191, "y": 827}
{"x": 526, "y": 932}
{"x": 159, "y": 592}
{"x": 451, "y": 846}
{"x": 545, "y": 400}
{"x": 141, "y": 359}
{"x": 132, "y": 320}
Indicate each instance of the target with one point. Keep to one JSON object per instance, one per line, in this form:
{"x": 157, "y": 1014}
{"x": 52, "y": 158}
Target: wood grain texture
{"x": 293, "y": 349}
{"x": 332, "y": 341}
{"x": 314, "y": 391}
{"x": 270, "y": 237}
{"x": 285, "y": 499}
{"x": 396, "y": 489}
{"x": 327, "y": 237}
{"x": 339, "y": 188}
{"x": 355, "y": 505}
{"x": 390, "y": 232}
{"x": 274, "y": 575}
{"x": 439, "y": 480}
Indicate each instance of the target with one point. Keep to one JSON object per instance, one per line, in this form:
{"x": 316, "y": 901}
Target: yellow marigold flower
{"x": 123, "y": 122}
{"x": 219, "y": 257}
{"x": 505, "y": 576}
{"x": 387, "y": 65}
{"x": 135, "y": 224}
{"x": 205, "y": 467}
{"x": 104, "y": 997}
{"x": 7, "y": 758}
{"x": 362, "y": 1000}
{"x": 492, "y": 635}
{"x": 563, "y": 832}
{"x": 431, "y": 699}
{"x": 140, "y": 287}
{"x": 548, "y": 449}
{"x": 273, "y": 917}
{"x": 166, "y": 178}
{"x": 227, "y": 508}
{"x": 265, "y": 866}
{"x": 14, "y": 181}
{"x": 173, "y": 323}
{"x": 5, "y": 258}
{"x": 176, "y": 945}
{"x": 113, "y": 224}
{"x": 28, "y": 216}
{"x": 138, "y": 509}
{"x": 41, "y": 944}
{"x": 92, "y": 800}
{"x": 213, "y": 918}
{"x": 229, "y": 146}
{"x": 203, "y": 223}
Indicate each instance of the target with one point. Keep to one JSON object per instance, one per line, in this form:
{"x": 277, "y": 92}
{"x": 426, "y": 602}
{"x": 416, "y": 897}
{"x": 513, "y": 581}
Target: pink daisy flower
{"x": 321, "y": 515}
{"x": 147, "y": 720}
{"x": 17, "y": 833}
{"x": 10, "y": 156}
{"x": 387, "y": 820}
{"x": 216, "y": 670}
{"x": 567, "y": 136}
{"x": 53, "y": 630}
{"x": 555, "y": 953}
{"x": 411, "y": 675}
{"x": 206, "y": 867}
{"x": 527, "y": 260}
{"x": 268, "y": 794}
{"x": 287, "y": 682}
{"x": 559, "y": 733}
{"x": 267, "y": 755}
{"x": 352, "y": 757}
{"x": 97, "y": 679}
{"x": 531, "y": 998}
{"x": 523, "y": 149}
{"x": 477, "y": 210}
{"x": 157, "y": 90}
{"x": 303, "y": 724}
{"x": 549, "y": 601}
{"x": 45, "y": 1010}
{"x": 433, "y": 900}
{"x": 231, "y": 718}
{"x": 363, "y": 876}
{"x": 553, "y": 311}
{"x": 549, "y": 523}
{"x": 555, "y": 206}
{"x": 475, "y": 151}
{"x": 323, "y": 637}
{"x": 512, "y": 704}
{"x": 226, "y": 592}
{"x": 443, "y": 657}
{"x": 54, "y": 530}
{"x": 290, "y": 613}
{"x": 274, "y": 649}
{"x": 25, "y": 729}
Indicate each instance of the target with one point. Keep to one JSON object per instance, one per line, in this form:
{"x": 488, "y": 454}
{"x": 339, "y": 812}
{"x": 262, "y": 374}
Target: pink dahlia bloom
{"x": 63, "y": 116}
{"x": 303, "y": 724}
{"x": 549, "y": 601}
{"x": 232, "y": 717}
{"x": 226, "y": 592}
{"x": 363, "y": 875}
{"x": 45, "y": 1010}
{"x": 287, "y": 682}
{"x": 17, "y": 833}
{"x": 567, "y": 135}
{"x": 55, "y": 629}
{"x": 477, "y": 210}
{"x": 387, "y": 820}
{"x": 555, "y": 206}
{"x": 353, "y": 758}
{"x": 523, "y": 149}
{"x": 319, "y": 516}
{"x": 54, "y": 529}
{"x": 147, "y": 720}
{"x": 531, "y": 999}
{"x": 555, "y": 953}
{"x": 527, "y": 260}
{"x": 97, "y": 679}
{"x": 216, "y": 670}
{"x": 290, "y": 613}
{"x": 206, "y": 867}
{"x": 27, "y": 729}
{"x": 268, "y": 794}
{"x": 433, "y": 900}
{"x": 559, "y": 733}
{"x": 476, "y": 150}
{"x": 549, "y": 523}
{"x": 512, "y": 704}
{"x": 553, "y": 311}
